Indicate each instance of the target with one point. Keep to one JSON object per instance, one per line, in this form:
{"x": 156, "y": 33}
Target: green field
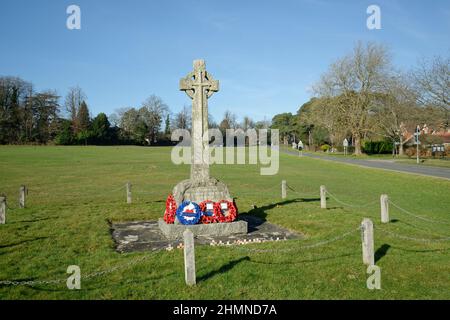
{"x": 76, "y": 192}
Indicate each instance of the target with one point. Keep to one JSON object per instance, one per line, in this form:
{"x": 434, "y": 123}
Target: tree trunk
{"x": 357, "y": 143}
{"x": 400, "y": 147}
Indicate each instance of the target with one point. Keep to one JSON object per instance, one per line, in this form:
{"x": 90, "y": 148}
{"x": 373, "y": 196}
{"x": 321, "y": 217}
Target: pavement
{"x": 438, "y": 172}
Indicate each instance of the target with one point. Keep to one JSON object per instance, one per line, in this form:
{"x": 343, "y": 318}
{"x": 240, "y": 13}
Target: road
{"x": 439, "y": 172}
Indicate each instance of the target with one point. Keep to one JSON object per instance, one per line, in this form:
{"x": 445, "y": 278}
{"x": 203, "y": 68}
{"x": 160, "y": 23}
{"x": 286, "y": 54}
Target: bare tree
{"x": 183, "y": 118}
{"x": 156, "y": 111}
{"x": 325, "y": 113}
{"x": 432, "y": 84}
{"x": 74, "y": 99}
{"x": 353, "y": 81}
{"x": 247, "y": 123}
{"x": 229, "y": 121}
{"x": 394, "y": 110}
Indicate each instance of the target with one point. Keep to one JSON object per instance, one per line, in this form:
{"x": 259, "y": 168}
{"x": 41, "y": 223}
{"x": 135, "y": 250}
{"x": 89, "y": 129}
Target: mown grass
{"x": 75, "y": 192}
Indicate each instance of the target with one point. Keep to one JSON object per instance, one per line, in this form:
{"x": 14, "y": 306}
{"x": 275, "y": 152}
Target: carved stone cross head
{"x": 199, "y": 81}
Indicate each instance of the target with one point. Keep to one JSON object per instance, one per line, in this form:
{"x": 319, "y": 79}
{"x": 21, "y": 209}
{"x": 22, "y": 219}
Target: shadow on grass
{"x": 21, "y": 242}
{"x": 421, "y": 251}
{"x": 305, "y": 261}
{"x": 226, "y": 267}
{"x": 35, "y": 220}
{"x": 261, "y": 211}
{"x": 421, "y": 228}
{"x": 381, "y": 252}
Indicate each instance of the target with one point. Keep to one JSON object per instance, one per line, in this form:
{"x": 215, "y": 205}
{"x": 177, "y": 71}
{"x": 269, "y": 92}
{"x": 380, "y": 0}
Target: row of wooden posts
{"x": 366, "y": 227}
{"x": 367, "y": 241}
{"x": 23, "y": 192}
{"x": 189, "y": 251}
{"x": 384, "y": 201}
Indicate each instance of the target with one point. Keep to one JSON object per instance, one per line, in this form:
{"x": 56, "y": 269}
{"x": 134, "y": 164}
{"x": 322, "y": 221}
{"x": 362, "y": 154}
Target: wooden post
{"x": 367, "y": 242}
{"x": 23, "y": 191}
{"x": 128, "y": 192}
{"x": 323, "y": 197}
{"x": 384, "y": 201}
{"x": 189, "y": 257}
{"x": 2, "y": 210}
{"x": 283, "y": 189}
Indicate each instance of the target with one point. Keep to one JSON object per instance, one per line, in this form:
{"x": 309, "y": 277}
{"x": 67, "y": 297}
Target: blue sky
{"x": 266, "y": 54}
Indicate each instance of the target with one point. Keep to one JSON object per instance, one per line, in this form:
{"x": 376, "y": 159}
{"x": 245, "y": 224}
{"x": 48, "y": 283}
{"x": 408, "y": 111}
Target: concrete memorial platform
{"x": 175, "y": 231}
{"x": 147, "y": 235}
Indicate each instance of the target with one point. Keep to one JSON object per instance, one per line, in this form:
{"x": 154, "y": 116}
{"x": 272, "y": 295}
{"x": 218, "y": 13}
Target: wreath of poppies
{"x": 171, "y": 209}
{"x": 217, "y": 215}
{"x": 206, "y": 217}
{"x": 231, "y": 208}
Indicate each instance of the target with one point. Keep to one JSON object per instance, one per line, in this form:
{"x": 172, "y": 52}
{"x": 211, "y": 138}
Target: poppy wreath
{"x": 171, "y": 209}
{"x": 208, "y": 218}
{"x": 232, "y": 211}
{"x": 189, "y": 213}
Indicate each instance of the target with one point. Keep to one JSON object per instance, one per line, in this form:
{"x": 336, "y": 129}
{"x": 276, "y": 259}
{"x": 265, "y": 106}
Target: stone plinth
{"x": 198, "y": 191}
{"x": 175, "y": 231}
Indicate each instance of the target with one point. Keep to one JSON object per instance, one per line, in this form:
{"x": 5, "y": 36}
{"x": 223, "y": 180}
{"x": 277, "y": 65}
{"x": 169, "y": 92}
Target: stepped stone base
{"x": 175, "y": 231}
{"x": 198, "y": 191}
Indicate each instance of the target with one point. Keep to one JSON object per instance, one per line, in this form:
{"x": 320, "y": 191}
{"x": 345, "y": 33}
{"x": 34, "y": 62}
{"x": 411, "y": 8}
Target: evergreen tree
{"x": 84, "y": 123}
{"x": 100, "y": 129}
{"x": 167, "y": 129}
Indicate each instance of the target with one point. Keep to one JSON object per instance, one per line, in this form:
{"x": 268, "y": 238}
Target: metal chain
{"x": 110, "y": 191}
{"x": 412, "y": 238}
{"x": 416, "y": 216}
{"x": 88, "y": 276}
{"x": 351, "y": 205}
{"x": 301, "y": 193}
{"x": 315, "y": 245}
{"x": 124, "y": 266}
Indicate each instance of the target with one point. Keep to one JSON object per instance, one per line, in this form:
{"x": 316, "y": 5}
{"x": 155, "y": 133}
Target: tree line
{"x": 31, "y": 117}
{"x": 364, "y": 98}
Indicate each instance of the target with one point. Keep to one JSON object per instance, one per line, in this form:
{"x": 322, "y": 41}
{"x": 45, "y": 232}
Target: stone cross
{"x": 199, "y": 85}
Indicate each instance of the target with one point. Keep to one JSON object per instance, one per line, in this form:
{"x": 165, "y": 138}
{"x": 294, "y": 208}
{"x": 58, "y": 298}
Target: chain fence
{"x": 303, "y": 194}
{"x": 241, "y": 247}
{"x": 299, "y": 248}
{"x": 417, "y": 216}
{"x": 368, "y": 204}
{"x": 87, "y": 276}
{"x": 427, "y": 240}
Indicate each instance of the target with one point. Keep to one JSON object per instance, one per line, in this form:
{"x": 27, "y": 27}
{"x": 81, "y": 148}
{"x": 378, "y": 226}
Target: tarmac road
{"x": 439, "y": 172}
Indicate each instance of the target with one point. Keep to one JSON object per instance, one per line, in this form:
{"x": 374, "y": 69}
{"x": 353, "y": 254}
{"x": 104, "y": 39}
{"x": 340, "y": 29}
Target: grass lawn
{"x": 75, "y": 192}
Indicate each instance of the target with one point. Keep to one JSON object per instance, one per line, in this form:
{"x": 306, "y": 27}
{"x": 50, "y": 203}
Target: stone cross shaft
{"x": 199, "y": 85}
